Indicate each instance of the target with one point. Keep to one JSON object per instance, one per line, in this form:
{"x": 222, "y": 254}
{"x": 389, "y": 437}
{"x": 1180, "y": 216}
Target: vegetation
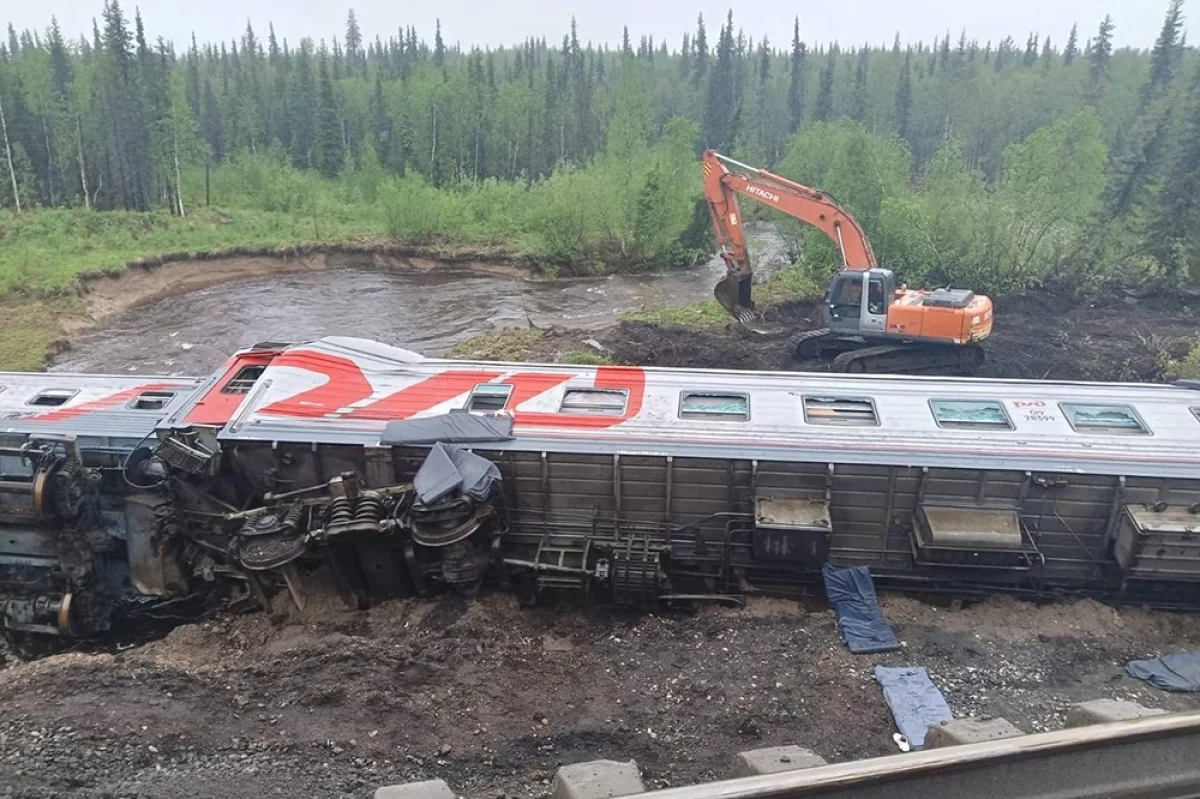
{"x": 1000, "y": 165}
{"x": 1185, "y": 368}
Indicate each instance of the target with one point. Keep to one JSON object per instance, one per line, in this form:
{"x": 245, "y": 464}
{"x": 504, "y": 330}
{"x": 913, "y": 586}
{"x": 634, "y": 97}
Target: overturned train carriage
{"x": 350, "y": 463}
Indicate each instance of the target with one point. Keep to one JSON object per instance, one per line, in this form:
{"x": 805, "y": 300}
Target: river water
{"x": 426, "y": 312}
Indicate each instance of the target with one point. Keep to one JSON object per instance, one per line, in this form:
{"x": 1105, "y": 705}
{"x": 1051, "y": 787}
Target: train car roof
{"x": 345, "y": 390}
{"x": 97, "y": 406}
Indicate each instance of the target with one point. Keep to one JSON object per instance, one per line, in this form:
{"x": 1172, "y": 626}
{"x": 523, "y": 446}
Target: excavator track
{"x": 806, "y": 346}
{"x": 911, "y": 358}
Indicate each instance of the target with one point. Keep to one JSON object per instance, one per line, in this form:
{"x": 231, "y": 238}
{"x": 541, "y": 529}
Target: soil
{"x": 492, "y": 698}
{"x": 1035, "y": 337}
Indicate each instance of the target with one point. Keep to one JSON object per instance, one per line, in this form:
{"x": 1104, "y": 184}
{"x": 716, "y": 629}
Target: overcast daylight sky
{"x": 494, "y": 23}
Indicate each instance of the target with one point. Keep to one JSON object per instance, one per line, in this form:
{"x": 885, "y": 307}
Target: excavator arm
{"x": 722, "y": 186}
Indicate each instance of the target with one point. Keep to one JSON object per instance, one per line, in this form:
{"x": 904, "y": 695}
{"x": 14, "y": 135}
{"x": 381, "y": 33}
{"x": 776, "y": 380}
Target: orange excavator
{"x": 871, "y": 324}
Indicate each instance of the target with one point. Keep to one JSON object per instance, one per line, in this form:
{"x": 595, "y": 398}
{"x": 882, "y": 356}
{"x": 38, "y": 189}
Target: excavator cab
{"x": 858, "y": 300}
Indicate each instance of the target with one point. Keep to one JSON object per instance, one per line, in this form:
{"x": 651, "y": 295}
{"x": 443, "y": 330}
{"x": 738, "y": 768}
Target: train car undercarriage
{"x": 87, "y": 534}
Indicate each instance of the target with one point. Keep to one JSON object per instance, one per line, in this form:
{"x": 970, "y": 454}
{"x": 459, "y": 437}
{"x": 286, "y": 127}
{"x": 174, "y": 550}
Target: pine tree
{"x": 626, "y": 48}
{"x": 1072, "y": 47}
{"x": 329, "y": 151}
{"x": 796, "y": 79}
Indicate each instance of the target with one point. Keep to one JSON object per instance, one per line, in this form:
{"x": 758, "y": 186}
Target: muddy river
{"x": 427, "y": 312}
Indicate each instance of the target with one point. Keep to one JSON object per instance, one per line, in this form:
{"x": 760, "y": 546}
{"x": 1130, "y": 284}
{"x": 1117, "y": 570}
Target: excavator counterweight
{"x": 870, "y": 323}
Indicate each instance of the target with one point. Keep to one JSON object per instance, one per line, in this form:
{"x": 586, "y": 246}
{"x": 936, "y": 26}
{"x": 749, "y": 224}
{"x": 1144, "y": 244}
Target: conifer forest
{"x": 999, "y": 164}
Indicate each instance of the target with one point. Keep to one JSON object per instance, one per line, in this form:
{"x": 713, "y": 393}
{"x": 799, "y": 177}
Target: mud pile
{"x": 1036, "y": 337}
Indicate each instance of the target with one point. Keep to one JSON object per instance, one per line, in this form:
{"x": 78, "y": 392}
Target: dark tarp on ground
{"x": 852, "y": 594}
{"x": 449, "y": 428}
{"x": 916, "y": 702}
{"x": 448, "y": 469}
{"x": 1177, "y": 672}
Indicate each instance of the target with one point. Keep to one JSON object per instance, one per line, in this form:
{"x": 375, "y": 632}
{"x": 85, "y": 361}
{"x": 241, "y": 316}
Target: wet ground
{"x": 1035, "y": 338}
{"x": 492, "y": 698}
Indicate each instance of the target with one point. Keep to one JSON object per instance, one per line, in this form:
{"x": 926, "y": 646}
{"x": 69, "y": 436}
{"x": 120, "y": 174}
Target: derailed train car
{"x": 401, "y": 476}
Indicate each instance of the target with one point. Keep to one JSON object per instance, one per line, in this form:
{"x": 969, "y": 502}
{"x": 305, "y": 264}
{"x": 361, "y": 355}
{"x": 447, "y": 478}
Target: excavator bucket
{"x": 733, "y": 292}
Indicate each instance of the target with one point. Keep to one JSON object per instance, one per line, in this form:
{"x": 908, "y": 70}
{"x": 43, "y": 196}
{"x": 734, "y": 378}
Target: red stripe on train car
{"x": 346, "y": 384}
{"x": 217, "y": 406}
{"x": 104, "y": 403}
{"x": 629, "y": 378}
{"x": 422, "y": 396}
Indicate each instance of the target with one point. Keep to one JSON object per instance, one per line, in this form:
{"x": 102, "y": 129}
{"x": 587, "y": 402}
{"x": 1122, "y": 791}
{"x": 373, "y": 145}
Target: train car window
{"x": 607, "y": 402}
{"x": 846, "y": 411}
{"x": 244, "y": 380}
{"x": 489, "y": 397}
{"x": 970, "y": 413}
{"x": 52, "y": 397}
{"x": 712, "y": 405}
{"x": 151, "y": 400}
{"x": 1096, "y": 418}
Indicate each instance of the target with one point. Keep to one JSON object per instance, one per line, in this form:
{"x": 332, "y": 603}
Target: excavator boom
{"x": 722, "y": 185}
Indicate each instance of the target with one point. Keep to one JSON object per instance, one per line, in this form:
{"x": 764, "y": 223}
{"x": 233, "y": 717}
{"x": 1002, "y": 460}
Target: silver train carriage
{"x": 389, "y": 474}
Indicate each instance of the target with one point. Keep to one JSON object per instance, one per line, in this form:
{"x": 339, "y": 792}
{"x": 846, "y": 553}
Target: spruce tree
{"x": 1100, "y": 58}
{"x": 439, "y": 47}
{"x": 824, "y": 110}
{"x": 700, "y": 49}
{"x": 302, "y": 95}
{"x": 859, "y": 107}
{"x": 796, "y": 79}
{"x": 721, "y": 105}
{"x": 354, "y": 55}
{"x": 329, "y": 151}
{"x": 904, "y": 97}
{"x": 1072, "y": 49}
{"x": 1166, "y": 55}
{"x": 1174, "y": 238}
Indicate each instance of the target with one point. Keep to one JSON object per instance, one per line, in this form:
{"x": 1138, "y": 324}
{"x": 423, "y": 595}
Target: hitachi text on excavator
{"x": 870, "y": 323}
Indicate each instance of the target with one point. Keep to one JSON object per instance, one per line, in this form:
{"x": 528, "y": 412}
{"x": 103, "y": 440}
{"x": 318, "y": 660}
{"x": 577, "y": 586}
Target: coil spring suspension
{"x": 368, "y": 514}
{"x": 341, "y": 514}
{"x": 67, "y": 492}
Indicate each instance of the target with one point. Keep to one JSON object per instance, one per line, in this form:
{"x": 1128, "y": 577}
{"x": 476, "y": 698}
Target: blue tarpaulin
{"x": 1177, "y": 672}
{"x": 852, "y": 594}
{"x": 915, "y": 701}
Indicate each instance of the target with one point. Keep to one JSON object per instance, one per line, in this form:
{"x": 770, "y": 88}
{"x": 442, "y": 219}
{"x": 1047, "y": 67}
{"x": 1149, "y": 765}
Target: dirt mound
{"x": 1035, "y": 337}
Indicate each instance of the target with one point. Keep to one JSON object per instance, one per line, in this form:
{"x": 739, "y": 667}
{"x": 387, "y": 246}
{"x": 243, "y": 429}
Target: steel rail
{"x": 1147, "y": 758}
